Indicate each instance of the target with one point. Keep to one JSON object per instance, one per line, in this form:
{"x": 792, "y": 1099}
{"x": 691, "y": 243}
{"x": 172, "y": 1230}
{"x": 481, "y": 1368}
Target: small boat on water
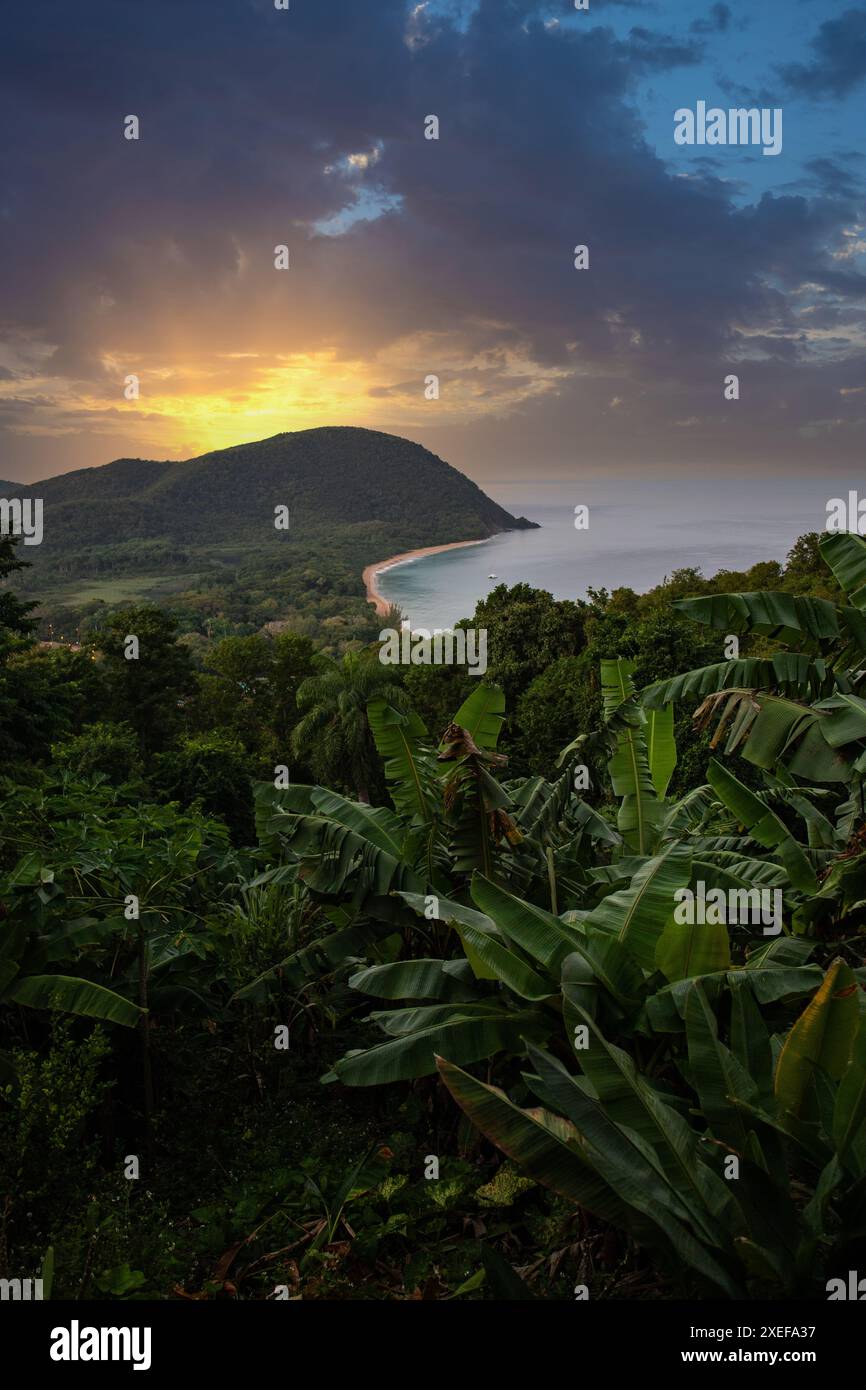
{"x": 491, "y": 576}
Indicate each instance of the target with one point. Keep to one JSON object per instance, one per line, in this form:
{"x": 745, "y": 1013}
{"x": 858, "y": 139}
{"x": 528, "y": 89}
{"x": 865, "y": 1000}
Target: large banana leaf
{"x": 790, "y": 673}
{"x": 546, "y": 1146}
{"x": 633, "y": 1170}
{"x": 638, "y": 915}
{"x": 730, "y": 870}
{"x": 604, "y": 1181}
{"x": 416, "y": 979}
{"x": 541, "y": 935}
{"x": 661, "y": 748}
{"x": 343, "y": 847}
{"x": 506, "y": 966}
{"x": 640, "y": 811}
{"x": 630, "y": 1101}
{"x": 688, "y": 949}
{"x": 451, "y": 913}
{"x": 550, "y": 941}
{"x": 409, "y": 764}
{"x": 483, "y": 715}
{"x": 595, "y": 825}
{"x": 750, "y": 1040}
{"x": 790, "y": 735}
{"x": 850, "y": 1110}
{"x": 782, "y": 616}
{"x": 821, "y": 1041}
{"x": 377, "y": 824}
{"x": 457, "y": 916}
{"x": 467, "y": 1032}
{"x": 279, "y": 810}
{"x": 845, "y": 553}
{"x": 716, "y": 1074}
{"x": 762, "y": 824}
{"x": 845, "y": 720}
{"x": 73, "y": 996}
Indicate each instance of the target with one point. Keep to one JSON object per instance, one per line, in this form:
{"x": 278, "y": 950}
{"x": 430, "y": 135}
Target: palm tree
{"x": 334, "y": 737}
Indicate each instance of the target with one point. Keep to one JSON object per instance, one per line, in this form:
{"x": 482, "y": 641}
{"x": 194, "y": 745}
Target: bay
{"x": 639, "y": 532}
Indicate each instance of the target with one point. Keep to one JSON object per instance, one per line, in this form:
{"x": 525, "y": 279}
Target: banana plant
{"x": 504, "y": 989}
{"x": 621, "y": 938}
{"x": 704, "y": 1169}
{"x": 624, "y": 956}
{"x": 449, "y": 811}
{"x": 800, "y": 710}
{"x": 800, "y": 717}
{"x": 23, "y": 981}
{"x": 453, "y": 816}
{"x": 642, "y": 754}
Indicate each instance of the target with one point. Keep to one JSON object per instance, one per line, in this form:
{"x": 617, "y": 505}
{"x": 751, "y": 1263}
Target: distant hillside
{"x": 327, "y": 477}
{"x": 206, "y": 525}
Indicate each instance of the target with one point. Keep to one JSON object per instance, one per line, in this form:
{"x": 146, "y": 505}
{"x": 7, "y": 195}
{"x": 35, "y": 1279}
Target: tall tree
{"x": 250, "y": 686}
{"x": 15, "y": 617}
{"x": 333, "y": 738}
{"x": 147, "y": 681}
{"x": 25, "y": 714}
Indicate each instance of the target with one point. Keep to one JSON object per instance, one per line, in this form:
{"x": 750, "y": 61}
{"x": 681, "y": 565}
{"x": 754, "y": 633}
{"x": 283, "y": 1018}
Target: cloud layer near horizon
{"x": 411, "y": 257}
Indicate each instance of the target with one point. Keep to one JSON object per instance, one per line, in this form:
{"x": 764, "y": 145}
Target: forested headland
{"x": 278, "y": 530}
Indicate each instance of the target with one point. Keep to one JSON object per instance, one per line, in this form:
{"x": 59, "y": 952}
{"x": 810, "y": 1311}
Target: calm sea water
{"x": 639, "y": 532}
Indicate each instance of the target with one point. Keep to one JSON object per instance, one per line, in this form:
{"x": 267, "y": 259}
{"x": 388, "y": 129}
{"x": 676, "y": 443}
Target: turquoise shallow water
{"x": 638, "y": 533}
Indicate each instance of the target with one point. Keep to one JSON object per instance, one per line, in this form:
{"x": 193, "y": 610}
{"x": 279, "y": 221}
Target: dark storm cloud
{"x": 746, "y": 96}
{"x": 839, "y": 63}
{"x": 248, "y": 117}
{"x": 673, "y": 260}
{"x": 718, "y": 21}
{"x": 652, "y": 52}
{"x": 834, "y": 179}
{"x": 236, "y": 135}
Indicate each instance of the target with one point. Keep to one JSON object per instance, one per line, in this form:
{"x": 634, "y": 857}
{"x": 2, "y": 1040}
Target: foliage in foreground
{"x": 699, "y": 1090}
{"x": 756, "y": 1047}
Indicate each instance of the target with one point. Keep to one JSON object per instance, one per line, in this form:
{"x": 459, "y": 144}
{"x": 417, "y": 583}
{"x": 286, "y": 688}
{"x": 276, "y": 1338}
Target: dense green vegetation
{"x": 268, "y": 911}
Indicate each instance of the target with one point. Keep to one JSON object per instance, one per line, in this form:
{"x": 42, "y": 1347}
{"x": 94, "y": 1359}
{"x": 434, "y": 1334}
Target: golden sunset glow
{"x": 192, "y": 406}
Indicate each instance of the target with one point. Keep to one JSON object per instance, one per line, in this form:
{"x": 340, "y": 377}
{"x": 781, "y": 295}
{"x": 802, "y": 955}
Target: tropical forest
{"x": 324, "y": 979}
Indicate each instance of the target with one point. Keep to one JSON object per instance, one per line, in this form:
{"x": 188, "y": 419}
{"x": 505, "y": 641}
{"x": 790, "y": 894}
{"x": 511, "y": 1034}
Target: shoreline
{"x": 372, "y": 572}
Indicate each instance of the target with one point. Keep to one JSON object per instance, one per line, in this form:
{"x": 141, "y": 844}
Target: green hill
{"x": 202, "y": 533}
{"x": 327, "y": 477}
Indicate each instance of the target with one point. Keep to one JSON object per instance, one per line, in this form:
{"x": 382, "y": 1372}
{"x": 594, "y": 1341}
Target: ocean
{"x": 638, "y": 533}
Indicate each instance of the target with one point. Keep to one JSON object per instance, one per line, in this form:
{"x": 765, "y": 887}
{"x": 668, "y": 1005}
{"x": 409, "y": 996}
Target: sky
{"x": 408, "y": 257}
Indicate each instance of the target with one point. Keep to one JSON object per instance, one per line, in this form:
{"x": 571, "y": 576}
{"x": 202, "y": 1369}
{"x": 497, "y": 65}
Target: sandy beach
{"x": 372, "y": 572}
